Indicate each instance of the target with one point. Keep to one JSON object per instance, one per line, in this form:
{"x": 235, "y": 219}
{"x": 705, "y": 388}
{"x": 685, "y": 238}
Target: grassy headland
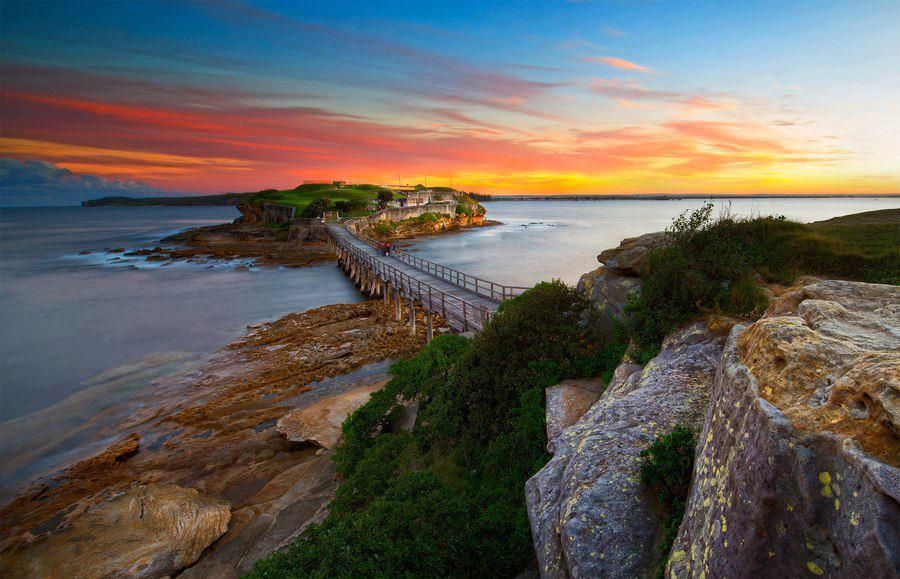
{"x": 716, "y": 265}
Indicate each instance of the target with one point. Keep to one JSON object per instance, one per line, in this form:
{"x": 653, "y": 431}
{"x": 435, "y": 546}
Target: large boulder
{"x": 797, "y": 468}
{"x": 147, "y": 531}
{"x": 611, "y": 285}
{"x": 590, "y": 515}
{"x": 631, "y": 255}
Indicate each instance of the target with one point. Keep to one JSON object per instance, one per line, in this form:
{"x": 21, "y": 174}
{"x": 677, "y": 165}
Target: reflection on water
{"x": 542, "y": 240}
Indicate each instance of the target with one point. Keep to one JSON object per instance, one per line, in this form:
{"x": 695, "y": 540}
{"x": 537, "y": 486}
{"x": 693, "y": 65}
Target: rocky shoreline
{"x": 206, "y": 443}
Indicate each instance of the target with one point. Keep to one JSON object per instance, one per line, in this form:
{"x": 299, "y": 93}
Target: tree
{"x": 385, "y": 196}
{"x": 316, "y": 207}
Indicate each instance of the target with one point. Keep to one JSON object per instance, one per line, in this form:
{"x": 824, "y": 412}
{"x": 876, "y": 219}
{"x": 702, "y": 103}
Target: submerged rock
{"x": 590, "y": 516}
{"x": 796, "y": 472}
{"x": 147, "y": 531}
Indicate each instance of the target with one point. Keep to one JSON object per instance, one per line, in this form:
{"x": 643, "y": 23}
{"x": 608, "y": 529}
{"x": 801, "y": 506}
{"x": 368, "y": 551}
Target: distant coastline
{"x": 235, "y": 198}
{"x": 674, "y": 197}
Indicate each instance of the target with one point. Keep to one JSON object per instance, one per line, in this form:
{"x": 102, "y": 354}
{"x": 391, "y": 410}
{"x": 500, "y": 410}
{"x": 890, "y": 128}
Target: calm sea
{"x": 82, "y": 334}
{"x": 542, "y": 240}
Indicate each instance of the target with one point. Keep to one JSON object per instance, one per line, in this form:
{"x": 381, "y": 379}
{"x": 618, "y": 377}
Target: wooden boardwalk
{"x": 464, "y": 301}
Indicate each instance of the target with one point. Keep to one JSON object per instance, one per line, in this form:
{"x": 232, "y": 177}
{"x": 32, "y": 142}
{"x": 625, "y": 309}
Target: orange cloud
{"x": 616, "y": 62}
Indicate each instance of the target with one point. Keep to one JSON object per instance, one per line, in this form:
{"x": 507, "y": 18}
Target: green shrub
{"x": 383, "y": 228}
{"x": 711, "y": 263}
{"x": 447, "y": 498}
{"x": 462, "y": 209}
{"x": 666, "y": 468}
{"x": 316, "y": 207}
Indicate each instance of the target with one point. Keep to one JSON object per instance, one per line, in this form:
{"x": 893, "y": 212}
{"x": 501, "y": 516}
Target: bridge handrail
{"x": 450, "y": 307}
{"x": 479, "y": 286}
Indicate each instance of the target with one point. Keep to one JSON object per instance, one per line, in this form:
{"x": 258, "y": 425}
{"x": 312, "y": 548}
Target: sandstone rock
{"x": 567, "y": 402}
{"x": 320, "y": 423}
{"x": 280, "y": 512}
{"x": 631, "y": 255}
{"x": 796, "y": 472}
{"x": 590, "y": 516}
{"x": 147, "y": 531}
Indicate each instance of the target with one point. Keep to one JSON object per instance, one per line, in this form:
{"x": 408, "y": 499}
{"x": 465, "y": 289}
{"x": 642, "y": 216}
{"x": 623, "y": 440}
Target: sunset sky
{"x": 510, "y": 97}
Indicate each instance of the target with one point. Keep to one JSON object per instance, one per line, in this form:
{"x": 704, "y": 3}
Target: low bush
{"x": 383, "y": 228}
{"x": 666, "y": 468}
{"x": 316, "y": 207}
{"x": 711, "y": 263}
{"x": 447, "y": 498}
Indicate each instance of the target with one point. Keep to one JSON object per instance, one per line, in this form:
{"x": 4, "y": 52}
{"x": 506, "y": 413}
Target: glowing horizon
{"x": 569, "y": 99}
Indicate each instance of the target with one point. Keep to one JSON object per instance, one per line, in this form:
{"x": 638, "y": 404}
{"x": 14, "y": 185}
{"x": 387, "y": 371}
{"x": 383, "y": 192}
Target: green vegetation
{"x": 316, "y": 207}
{"x": 361, "y": 195}
{"x": 385, "y": 196}
{"x": 447, "y": 498}
{"x": 382, "y": 229}
{"x": 712, "y": 264}
{"x": 666, "y": 468}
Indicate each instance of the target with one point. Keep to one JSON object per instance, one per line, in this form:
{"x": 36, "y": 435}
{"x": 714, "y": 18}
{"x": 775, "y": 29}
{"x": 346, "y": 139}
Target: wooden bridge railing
{"x": 482, "y": 287}
{"x": 457, "y": 312}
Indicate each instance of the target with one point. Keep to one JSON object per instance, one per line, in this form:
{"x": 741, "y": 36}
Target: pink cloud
{"x": 616, "y": 88}
{"x": 616, "y": 62}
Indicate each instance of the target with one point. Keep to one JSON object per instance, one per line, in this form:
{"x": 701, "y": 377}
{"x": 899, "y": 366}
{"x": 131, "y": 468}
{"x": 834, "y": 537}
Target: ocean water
{"x": 83, "y": 336}
{"x": 80, "y": 334}
{"x": 544, "y": 240}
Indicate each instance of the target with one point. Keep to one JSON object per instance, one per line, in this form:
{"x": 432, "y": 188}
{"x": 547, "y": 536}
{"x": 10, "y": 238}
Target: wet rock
{"x": 85, "y": 252}
{"x": 797, "y": 469}
{"x": 567, "y": 402}
{"x": 147, "y": 531}
{"x": 590, "y": 516}
{"x": 631, "y": 255}
{"x": 320, "y": 423}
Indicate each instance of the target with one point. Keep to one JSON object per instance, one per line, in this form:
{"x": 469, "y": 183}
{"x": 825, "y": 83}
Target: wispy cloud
{"x": 616, "y": 62}
{"x": 626, "y": 89}
{"x": 612, "y": 31}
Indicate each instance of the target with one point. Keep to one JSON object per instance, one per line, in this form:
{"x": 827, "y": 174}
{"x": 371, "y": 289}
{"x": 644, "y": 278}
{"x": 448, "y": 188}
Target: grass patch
{"x": 447, "y": 498}
{"x": 666, "y": 468}
{"x": 361, "y": 196}
{"x": 711, "y": 264}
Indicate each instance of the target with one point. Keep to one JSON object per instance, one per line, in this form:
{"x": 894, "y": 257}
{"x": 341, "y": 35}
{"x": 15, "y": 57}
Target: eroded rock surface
{"x": 796, "y": 472}
{"x": 320, "y": 423}
{"x": 566, "y": 404}
{"x": 610, "y": 285}
{"x": 212, "y": 428}
{"x": 590, "y": 516}
{"x": 147, "y": 531}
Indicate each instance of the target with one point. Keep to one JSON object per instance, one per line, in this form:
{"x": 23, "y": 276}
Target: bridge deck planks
{"x": 417, "y": 274}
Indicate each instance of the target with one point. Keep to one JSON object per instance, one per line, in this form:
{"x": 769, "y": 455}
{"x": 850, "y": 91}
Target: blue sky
{"x": 508, "y": 97}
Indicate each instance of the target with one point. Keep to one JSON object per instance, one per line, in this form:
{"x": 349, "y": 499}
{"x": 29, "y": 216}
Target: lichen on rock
{"x": 796, "y": 471}
{"x": 590, "y": 515}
